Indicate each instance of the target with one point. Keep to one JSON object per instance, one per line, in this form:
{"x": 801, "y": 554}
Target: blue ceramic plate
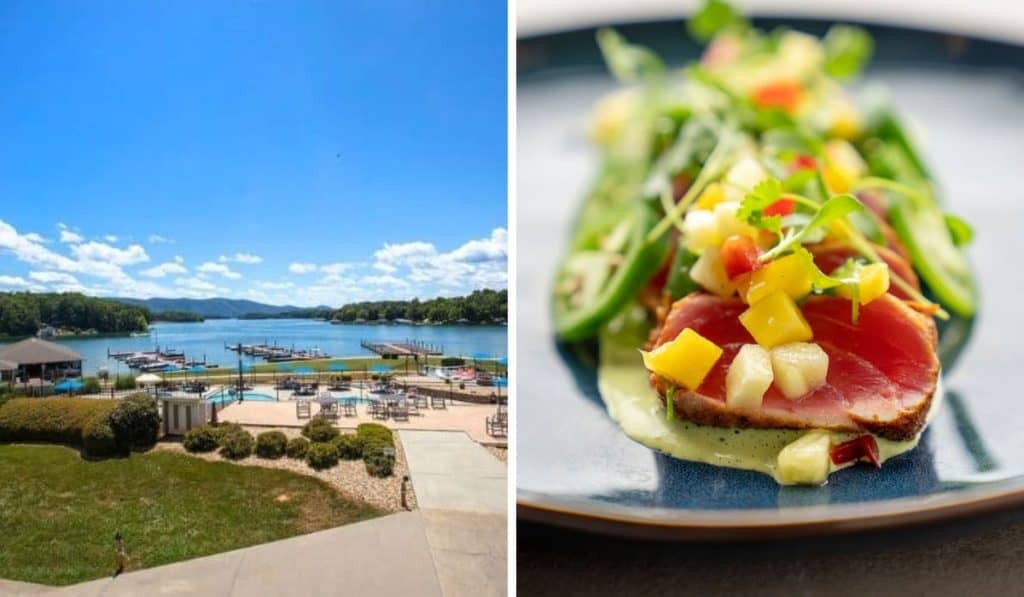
{"x": 577, "y": 468}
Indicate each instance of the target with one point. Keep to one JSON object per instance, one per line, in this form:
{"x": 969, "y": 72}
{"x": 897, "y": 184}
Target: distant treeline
{"x": 177, "y": 316}
{"x": 25, "y": 313}
{"x": 483, "y": 306}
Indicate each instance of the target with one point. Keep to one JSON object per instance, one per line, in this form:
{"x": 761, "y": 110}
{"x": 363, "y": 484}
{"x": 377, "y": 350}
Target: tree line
{"x": 25, "y": 313}
{"x": 177, "y": 316}
{"x": 482, "y": 306}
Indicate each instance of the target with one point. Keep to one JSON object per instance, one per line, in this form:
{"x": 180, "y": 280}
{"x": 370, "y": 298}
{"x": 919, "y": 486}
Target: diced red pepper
{"x": 859, "y": 448}
{"x": 782, "y": 207}
{"x": 739, "y": 256}
{"x": 803, "y": 162}
{"x": 784, "y": 95}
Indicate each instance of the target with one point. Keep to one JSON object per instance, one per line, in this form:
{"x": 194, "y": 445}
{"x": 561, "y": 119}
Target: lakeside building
{"x": 36, "y": 359}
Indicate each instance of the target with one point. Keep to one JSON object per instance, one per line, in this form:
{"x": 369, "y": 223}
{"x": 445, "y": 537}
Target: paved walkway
{"x": 461, "y": 490}
{"x": 459, "y": 416}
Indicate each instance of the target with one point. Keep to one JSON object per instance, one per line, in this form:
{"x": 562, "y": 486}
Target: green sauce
{"x": 639, "y": 410}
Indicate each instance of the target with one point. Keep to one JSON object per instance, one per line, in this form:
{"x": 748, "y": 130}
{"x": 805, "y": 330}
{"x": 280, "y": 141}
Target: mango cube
{"x": 687, "y": 360}
{"x": 799, "y": 368}
{"x": 745, "y": 174}
{"x": 806, "y": 460}
{"x": 776, "y": 320}
{"x": 873, "y": 282}
{"x": 700, "y": 230}
{"x": 843, "y": 166}
{"x": 709, "y": 272}
{"x": 749, "y": 377}
{"x": 729, "y": 223}
{"x": 790, "y": 274}
{"x": 712, "y": 195}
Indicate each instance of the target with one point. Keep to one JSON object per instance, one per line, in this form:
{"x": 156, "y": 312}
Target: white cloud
{"x": 247, "y": 258}
{"x": 384, "y": 280}
{"x": 156, "y": 239}
{"x": 31, "y": 251}
{"x": 101, "y": 252}
{"x": 110, "y": 238}
{"x": 302, "y": 268}
{"x": 164, "y": 269}
{"x": 404, "y": 252}
{"x": 336, "y": 269}
{"x": 67, "y": 236}
{"x": 14, "y": 282}
{"x": 36, "y": 238}
{"x": 218, "y": 268}
{"x": 53, "y": 277}
{"x": 275, "y": 285}
{"x": 494, "y": 248}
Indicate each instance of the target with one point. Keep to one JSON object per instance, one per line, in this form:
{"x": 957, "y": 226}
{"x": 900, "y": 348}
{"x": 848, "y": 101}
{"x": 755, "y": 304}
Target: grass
{"x": 59, "y": 512}
{"x": 356, "y": 366}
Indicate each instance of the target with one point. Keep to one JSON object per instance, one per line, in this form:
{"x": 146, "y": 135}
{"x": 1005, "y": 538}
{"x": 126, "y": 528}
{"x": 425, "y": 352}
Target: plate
{"x": 575, "y": 467}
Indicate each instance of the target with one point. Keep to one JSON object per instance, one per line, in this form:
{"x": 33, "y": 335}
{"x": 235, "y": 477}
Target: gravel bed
{"x": 349, "y": 477}
{"x": 499, "y": 453}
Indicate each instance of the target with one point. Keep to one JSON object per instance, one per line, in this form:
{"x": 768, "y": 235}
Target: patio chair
{"x": 378, "y": 410}
{"x": 414, "y": 409}
{"x": 497, "y": 426}
{"x": 400, "y": 410}
{"x": 302, "y": 409}
{"x": 329, "y": 409}
{"x": 438, "y": 402}
{"x": 349, "y": 407}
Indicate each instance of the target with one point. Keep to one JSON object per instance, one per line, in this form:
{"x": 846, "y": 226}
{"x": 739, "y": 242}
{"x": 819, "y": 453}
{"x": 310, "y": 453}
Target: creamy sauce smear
{"x": 639, "y": 410}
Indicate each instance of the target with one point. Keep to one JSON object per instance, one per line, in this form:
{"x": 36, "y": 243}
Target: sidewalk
{"x": 461, "y": 491}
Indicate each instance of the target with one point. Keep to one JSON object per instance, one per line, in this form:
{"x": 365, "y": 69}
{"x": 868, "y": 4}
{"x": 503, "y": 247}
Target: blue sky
{"x": 291, "y": 151}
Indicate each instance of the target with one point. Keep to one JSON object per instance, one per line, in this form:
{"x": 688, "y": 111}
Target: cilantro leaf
{"x": 959, "y": 230}
{"x": 847, "y": 50}
{"x": 830, "y": 211}
{"x": 715, "y": 16}
{"x": 752, "y": 207}
{"x": 628, "y": 62}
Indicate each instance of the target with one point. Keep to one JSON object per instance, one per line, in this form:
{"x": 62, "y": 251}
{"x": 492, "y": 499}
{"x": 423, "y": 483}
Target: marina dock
{"x": 409, "y": 348}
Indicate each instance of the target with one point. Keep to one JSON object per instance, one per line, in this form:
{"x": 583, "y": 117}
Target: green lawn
{"x": 59, "y": 513}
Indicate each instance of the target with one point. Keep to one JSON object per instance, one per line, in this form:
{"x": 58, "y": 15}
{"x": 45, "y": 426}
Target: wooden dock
{"x": 409, "y": 348}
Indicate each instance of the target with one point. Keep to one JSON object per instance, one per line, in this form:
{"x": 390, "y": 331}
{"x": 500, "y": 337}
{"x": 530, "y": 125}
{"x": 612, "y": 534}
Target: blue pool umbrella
{"x": 68, "y": 385}
{"x": 337, "y": 367}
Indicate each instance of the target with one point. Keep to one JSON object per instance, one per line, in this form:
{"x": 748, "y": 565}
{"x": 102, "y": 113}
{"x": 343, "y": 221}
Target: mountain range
{"x": 212, "y": 307}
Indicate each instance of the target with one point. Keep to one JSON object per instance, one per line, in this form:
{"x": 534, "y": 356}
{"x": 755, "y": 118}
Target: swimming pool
{"x": 223, "y": 397}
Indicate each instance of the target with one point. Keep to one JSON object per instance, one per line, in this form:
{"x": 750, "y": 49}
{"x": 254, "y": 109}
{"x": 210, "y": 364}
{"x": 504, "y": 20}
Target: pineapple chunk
{"x": 873, "y": 281}
{"x": 745, "y": 174}
{"x": 790, "y": 274}
{"x": 776, "y": 320}
{"x": 712, "y": 195}
{"x": 729, "y": 224}
{"x": 700, "y": 230}
{"x": 685, "y": 360}
{"x": 709, "y": 272}
{"x": 799, "y": 368}
{"x": 843, "y": 166}
{"x": 611, "y": 115}
{"x": 749, "y": 377}
{"x": 805, "y": 461}
{"x": 799, "y": 55}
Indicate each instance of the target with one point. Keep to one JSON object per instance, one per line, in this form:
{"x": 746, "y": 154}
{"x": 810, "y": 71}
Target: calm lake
{"x": 207, "y": 339}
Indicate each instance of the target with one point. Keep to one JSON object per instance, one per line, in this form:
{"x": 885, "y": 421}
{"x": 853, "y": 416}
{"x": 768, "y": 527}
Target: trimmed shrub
{"x": 201, "y": 439}
{"x": 222, "y": 429}
{"x": 91, "y": 385}
{"x": 236, "y": 444}
{"x": 452, "y": 362}
{"x": 380, "y": 462}
{"x": 349, "y": 447}
{"x": 297, "y": 448}
{"x": 58, "y": 420}
{"x": 374, "y": 434}
{"x": 99, "y": 440}
{"x": 271, "y": 444}
{"x": 321, "y": 455}
{"x": 124, "y": 383}
{"x": 136, "y": 420}
{"x": 319, "y": 429}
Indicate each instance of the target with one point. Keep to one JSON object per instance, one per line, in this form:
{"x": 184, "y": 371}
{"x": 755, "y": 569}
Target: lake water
{"x": 207, "y": 339}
